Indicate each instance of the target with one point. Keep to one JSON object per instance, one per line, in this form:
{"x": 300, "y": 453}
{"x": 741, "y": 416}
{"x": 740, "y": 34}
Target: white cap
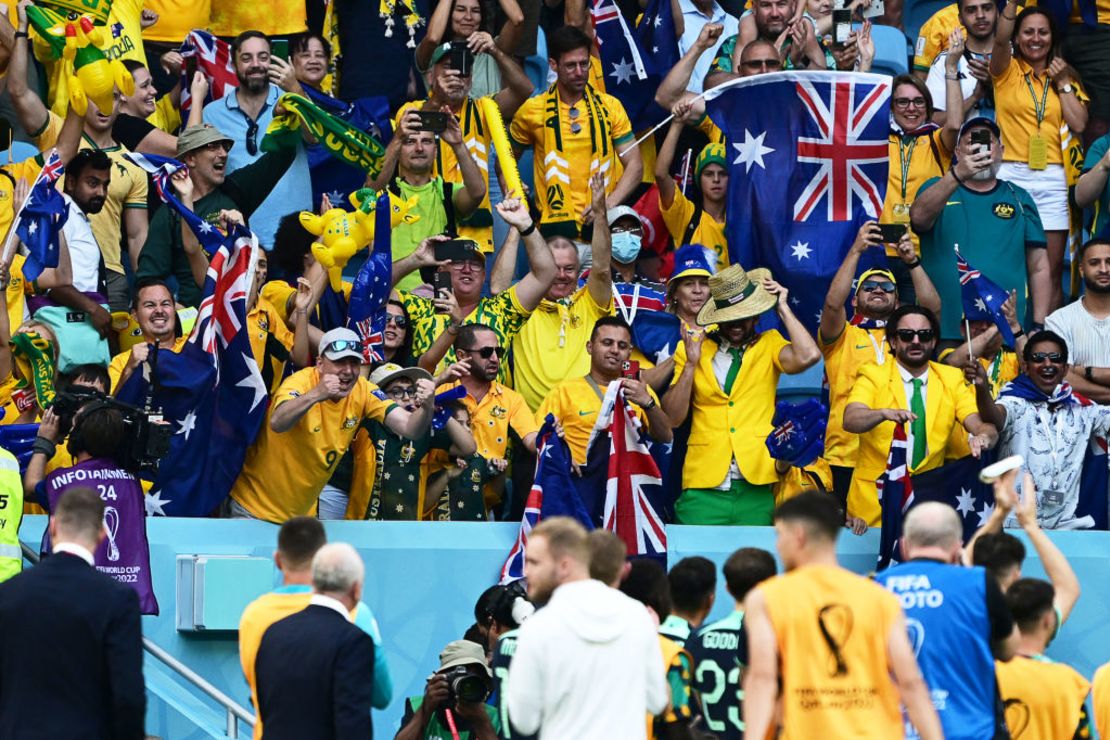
{"x": 349, "y": 345}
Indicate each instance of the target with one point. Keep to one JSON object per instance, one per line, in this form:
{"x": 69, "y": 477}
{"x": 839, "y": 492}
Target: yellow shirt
{"x": 932, "y": 39}
{"x": 551, "y": 346}
{"x": 1016, "y": 112}
{"x": 273, "y": 18}
{"x": 1043, "y": 699}
{"x": 122, "y": 40}
{"x": 256, "y": 619}
{"x": 127, "y": 189}
{"x": 500, "y": 409}
{"x": 949, "y": 400}
{"x": 803, "y": 480}
{"x": 575, "y": 404}
{"x": 854, "y": 348}
{"x": 709, "y": 232}
{"x": 165, "y": 115}
{"x": 119, "y": 362}
{"x": 563, "y": 177}
{"x": 176, "y": 18}
{"x": 262, "y": 322}
{"x": 734, "y": 426}
{"x": 26, "y": 170}
{"x": 711, "y": 130}
{"x": 913, "y": 160}
{"x": 1100, "y": 700}
{"x": 476, "y": 137}
{"x": 831, "y": 627}
{"x": 284, "y": 472}
{"x": 278, "y": 292}
{"x": 16, "y": 293}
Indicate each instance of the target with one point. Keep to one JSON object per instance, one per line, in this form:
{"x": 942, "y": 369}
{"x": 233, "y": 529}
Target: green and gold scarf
{"x": 342, "y": 140}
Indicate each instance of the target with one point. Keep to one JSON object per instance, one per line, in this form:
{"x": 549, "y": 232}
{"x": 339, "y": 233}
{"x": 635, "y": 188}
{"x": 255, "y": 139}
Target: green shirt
{"x": 437, "y": 729}
{"x": 1101, "y": 206}
{"x": 244, "y": 190}
{"x": 398, "y": 484}
{"x": 463, "y": 500}
{"x": 993, "y": 230}
{"x": 432, "y": 220}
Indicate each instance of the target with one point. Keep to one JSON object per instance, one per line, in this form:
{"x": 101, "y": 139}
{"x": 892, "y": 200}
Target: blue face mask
{"x": 626, "y": 246}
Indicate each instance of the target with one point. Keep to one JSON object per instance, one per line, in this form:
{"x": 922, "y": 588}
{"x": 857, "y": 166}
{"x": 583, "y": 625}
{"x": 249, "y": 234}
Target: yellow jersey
{"x": 932, "y": 39}
{"x": 815, "y": 477}
{"x": 575, "y": 404}
{"x": 273, "y": 18}
{"x": 284, "y": 472}
{"x": 176, "y": 18}
{"x": 1100, "y": 700}
{"x": 1043, "y": 699}
{"x": 256, "y": 619}
{"x": 1001, "y": 370}
{"x": 708, "y": 232}
{"x": 844, "y": 356}
{"x": 831, "y": 627}
{"x": 119, "y": 362}
{"x": 500, "y": 410}
{"x": 271, "y": 354}
{"x": 1015, "y": 107}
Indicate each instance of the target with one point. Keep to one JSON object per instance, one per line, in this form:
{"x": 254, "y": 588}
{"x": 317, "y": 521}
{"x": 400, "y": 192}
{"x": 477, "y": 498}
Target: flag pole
{"x": 706, "y": 95}
{"x": 9, "y": 242}
{"x": 967, "y": 324}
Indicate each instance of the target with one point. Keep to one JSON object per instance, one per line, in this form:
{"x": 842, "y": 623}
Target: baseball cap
{"x": 463, "y": 652}
{"x": 689, "y": 261}
{"x": 195, "y": 137}
{"x": 979, "y": 121}
{"x": 389, "y": 371}
{"x": 619, "y": 212}
{"x": 339, "y": 343}
{"x": 439, "y": 52}
{"x": 875, "y": 272}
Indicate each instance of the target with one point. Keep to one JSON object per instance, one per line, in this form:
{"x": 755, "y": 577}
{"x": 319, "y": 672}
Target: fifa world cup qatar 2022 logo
{"x": 835, "y": 622}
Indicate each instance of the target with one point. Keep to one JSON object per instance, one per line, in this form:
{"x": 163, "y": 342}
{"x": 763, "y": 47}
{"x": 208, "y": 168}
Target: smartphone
{"x": 875, "y": 9}
{"x": 991, "y": 473}
{"x": 432, "y": 120}
{"x": 842, "y": 27}
{"x": 280, "y": 48}
{"x": 455, "y": 249}
{"x": 982, "y": 137}
{"x": 892, "y": 233}
{"x": 441, "y": 283}
{"x": 460, "y": 58}
{"x": 631, "y": 369}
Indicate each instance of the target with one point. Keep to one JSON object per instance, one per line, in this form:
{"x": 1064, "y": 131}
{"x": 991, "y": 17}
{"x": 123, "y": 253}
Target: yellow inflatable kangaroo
{"x": 94, "y": 77}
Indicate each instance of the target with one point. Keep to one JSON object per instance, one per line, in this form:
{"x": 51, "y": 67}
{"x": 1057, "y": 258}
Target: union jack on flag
{"x": 895, "y": 489}
{"x": 53, "y": 167}
{"x": 808, "y": 163}
{"x": 366, "y": 312}
{"x": 982, "y": 298}
{"x": 230, "y": 271}
{"x": 213, "y": 60}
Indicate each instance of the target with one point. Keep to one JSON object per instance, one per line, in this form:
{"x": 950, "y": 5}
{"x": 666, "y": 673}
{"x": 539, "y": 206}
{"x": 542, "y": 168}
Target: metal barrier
{"x": 235, "y": 712}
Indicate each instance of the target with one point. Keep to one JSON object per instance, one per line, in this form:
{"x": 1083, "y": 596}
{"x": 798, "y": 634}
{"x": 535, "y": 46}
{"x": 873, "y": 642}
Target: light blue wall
{"x": 423, "y": 579}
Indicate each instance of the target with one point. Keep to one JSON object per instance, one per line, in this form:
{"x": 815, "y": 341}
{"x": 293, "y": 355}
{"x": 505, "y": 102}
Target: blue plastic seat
{"x": 891, "y": 53}
{"x": 536, "y": 66}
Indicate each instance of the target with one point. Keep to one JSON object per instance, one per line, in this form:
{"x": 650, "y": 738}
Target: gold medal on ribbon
{"x": 901, "y": 213}
{"x": 1038, "y": 152}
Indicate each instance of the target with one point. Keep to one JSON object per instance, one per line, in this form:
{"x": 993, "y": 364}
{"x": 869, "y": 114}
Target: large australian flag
{"x": 631, "y": 75}
{"x": 807, "y": 155}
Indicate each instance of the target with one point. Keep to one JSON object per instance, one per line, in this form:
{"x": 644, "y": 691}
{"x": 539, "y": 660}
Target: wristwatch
{"x": 1089, "y": 374}
{"x": 651, "y": 405}
{"x": 1066, "y": 89}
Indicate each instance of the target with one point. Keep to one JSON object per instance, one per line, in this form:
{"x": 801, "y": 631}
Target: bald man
{"x": 951, "y": 610}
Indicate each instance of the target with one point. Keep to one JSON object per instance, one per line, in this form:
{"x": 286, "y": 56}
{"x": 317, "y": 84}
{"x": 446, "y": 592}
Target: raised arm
{"x": 677, "y": 400}
{"x": 515, "y": 85}
{"x": 29, "y": 107}
{"x": 433, "y": 36}
{"x": 665, "y": 158}
{"x": 415, "y": 424}
{"x": 470, "y": 195}
{"x": 927, "y": 296}
{"x": 674, "y": 85}
{"x": 802, "y": 352}
{"x": 833, "y": 314}
{"x": 513, "y": 27}
{"x": 533, "y": 286}
{"x": 600, "y": 281}
{"x": 1040, "y": 282}
{"x": 1002, "y": 53}
{"x": 504, "y": 264}
{"x": 953, "y": 92}
{"x": 1055, "y": 565}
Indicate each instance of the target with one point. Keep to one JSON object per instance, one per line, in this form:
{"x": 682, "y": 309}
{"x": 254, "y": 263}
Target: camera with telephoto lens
{"x": 466, "y": 685}
{"x": 146, "y": 435}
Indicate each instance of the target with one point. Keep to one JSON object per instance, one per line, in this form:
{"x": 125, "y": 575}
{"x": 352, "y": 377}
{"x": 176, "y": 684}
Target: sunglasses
{"x": 761, "y": 63}
{"x": 342, "y": 345}
{"x": 398, "y": 393}
{"x": 923, "y": 335}
{"x": 1050, "y": 356}
{"x": 397, "y": 319}
{"x": 903, "y": 103}
{"x": 872, "y": 285}
{"x": 252, "y": 135}
{"x": 485, "y": 352}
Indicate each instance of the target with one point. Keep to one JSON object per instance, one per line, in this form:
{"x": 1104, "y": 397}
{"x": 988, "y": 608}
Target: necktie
{"x": 917, "y": 406}
{"x": 733, "y": 369}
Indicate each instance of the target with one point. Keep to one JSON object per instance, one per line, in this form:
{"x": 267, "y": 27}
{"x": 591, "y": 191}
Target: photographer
{"x": 98, "y": 443}
{"x": 454, "y": 695}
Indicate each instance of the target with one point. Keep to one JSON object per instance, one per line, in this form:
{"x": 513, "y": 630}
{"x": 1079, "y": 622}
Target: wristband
{"x": 956, "y": 177}
{"x": 44, "y": 446}
{"x": 1089, "y": 373}
{"x": 529, "y": 230}
{"x": 1019, "y": 333}
{"x": 952, "y": 75}
{"x": 916, "y": 263}
{"x": 649, "y": 406}
{"x": 21, "y": 35}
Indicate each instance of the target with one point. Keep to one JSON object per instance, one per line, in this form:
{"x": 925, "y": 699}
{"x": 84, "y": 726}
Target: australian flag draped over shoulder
{"x": 211, "y": 392}
{"x": 631, "y": 75}
{"x": 42, "y": 218}
{"x": 982, "y": 299}
{"x": 370, "y": 291}
{"x": 956, "y": 484}
{"x": 620, "y": 466}
{"x": 213, "y": 60}
{"x": 807, "y": 166}
{"x": 553, "y": 494}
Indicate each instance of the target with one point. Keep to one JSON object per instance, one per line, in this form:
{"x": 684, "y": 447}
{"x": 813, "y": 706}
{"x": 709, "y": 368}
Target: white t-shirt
{"x": 938, "y": 90}
{"x": 84, "y": 252}
{"x": 1088, "y": 338}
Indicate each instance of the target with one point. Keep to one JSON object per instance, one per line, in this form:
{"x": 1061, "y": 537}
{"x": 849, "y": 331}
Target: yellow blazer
{"x": 734, "y": 425}
{"x": 949, "y": 400}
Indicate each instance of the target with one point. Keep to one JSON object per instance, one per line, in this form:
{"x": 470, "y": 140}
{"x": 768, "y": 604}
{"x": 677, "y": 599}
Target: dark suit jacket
{"x": 71, "y": 655}
{"x": 314, "y": 673}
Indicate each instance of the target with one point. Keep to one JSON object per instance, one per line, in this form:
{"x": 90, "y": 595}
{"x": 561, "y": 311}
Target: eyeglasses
{"x": 923, "y": 335}
{"x": 398, "y": 319}
{"x": 252, "y": 134}
{"x": 903, "y": 103}
{"x": 342, "y": 345}
{"x": 869, "y": 286}
{"x": 1039, "y": 357}
{"x": 398, "y": 393}
{"x": 485, "y": 352}
{"x": 214, "y": 145}
{"x": 773, "y": 63}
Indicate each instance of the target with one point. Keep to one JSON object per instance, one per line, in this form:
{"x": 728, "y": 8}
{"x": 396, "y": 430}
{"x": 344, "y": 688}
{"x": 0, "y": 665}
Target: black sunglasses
{"x": 923, "y": 335}
{"x": 884, "y": 285}
{"x": 485, "y": 352}
{"x": 1050, "y": 356}
{"x": 397, "y": 319}
{"x": 252, "y": 134}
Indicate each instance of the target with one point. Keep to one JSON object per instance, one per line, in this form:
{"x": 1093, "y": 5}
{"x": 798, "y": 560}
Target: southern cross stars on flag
{"x": 982, "y": 298}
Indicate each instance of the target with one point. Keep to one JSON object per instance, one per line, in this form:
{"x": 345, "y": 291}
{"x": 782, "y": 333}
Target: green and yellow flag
{"x": 342, "y": 140}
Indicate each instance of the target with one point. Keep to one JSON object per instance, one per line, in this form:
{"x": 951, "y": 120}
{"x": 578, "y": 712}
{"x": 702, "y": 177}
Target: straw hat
{"x": 736, "y": 294}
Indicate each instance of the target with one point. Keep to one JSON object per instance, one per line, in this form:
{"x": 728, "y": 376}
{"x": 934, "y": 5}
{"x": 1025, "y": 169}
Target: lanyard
{"x": 880, "y": 353}
{"x": 1038, "y": 108}
{"x": 905, "y": 154}
{"x": 995, "y": 369}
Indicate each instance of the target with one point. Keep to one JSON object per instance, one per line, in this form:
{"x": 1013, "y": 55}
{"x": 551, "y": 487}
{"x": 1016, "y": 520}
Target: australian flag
{"x": 657, "y": 35}
{"x": 807, "y": 166}
{"x": 956, "y": 484}
{"x": 211, "y": 392}
{"x": 631, "y": 75}
{"x": 370, "y": 291}
{"x": 620, "y": 465}
{"x": 161, "y": 169}
{"x": 42, "y": 218}
{"x": 553, "y": 494}
{"x": 213, "y": 60}
{"x": 982, "y": 299}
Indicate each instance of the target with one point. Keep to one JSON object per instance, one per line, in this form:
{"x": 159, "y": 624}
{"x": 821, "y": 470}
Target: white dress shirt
{"x": 74, "y": 549}
{"x": 329, "y": 602}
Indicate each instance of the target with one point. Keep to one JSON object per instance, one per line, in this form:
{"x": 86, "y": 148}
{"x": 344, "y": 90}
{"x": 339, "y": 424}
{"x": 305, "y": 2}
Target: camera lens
{"x": 471, "y": 689}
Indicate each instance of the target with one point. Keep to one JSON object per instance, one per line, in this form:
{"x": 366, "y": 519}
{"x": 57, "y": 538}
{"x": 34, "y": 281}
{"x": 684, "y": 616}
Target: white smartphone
{"x": 993, "y": 472}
